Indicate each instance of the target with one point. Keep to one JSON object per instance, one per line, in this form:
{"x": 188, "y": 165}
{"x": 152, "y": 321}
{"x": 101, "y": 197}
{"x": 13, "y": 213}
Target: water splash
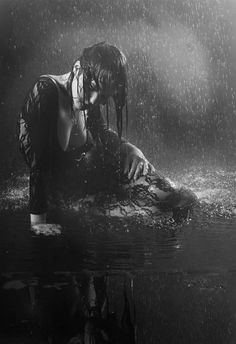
{"x": 214, "y": 187}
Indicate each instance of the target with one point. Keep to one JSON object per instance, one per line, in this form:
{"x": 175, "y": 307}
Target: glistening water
{"x": 127, "y": 280}
{"x": 149, "y": 281}
{"x": 96, "y": 242}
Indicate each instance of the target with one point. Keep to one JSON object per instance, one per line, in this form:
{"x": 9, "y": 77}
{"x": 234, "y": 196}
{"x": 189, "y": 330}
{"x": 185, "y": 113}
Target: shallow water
{"x": 194, "y": 246}
{"x": 88, "y": 241}
{"x": 182, "y": 277}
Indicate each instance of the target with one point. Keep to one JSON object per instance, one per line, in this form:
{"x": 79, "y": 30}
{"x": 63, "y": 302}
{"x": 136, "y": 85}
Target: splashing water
{"x": 215, "y": 189}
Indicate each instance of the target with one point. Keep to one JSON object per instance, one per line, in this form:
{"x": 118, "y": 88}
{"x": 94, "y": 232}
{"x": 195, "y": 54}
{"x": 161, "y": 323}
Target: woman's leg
{"x": 99, "y": 174}
{"x": 152, "y": 190}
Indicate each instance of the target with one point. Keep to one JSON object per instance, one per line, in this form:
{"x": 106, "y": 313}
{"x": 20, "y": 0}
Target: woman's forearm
{"x": 111, "y": 140}
{"x": 128, "y": 148}
{"x": 39, "y": 181}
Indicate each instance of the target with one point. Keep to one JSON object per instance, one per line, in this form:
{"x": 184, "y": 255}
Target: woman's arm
{"x": 36, "y": 219}
{"x": 133, "y": 160}
{"x": 135, "y": 163}
{"x": 35, "y": 142}
{"x": 100, "y": 131}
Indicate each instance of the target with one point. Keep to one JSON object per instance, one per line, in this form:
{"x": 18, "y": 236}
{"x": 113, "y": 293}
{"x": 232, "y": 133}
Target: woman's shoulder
{"x": 43, "y": 83}
{"x": 42, "y": 92}
{"x": 52, "y": 83}
{"x": 59, "y": 81}
{"x": 43, "y": 88}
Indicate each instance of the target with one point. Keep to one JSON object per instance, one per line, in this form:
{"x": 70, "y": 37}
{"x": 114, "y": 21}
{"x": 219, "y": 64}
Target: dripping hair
{"x": 106, "y": 65}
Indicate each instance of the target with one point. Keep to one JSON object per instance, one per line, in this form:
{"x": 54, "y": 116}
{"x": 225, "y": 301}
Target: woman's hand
{"x": 46, "y": 229}
{"x": 39, "y": 225}
{"x": 136, "y": 165}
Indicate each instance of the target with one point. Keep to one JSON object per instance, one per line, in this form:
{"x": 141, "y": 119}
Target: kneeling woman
{"x": 65, "y": 140}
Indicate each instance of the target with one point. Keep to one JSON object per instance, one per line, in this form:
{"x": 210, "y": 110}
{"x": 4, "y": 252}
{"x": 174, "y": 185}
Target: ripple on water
{"x": 215, "y": 189}
{"x": 100, "y": 242}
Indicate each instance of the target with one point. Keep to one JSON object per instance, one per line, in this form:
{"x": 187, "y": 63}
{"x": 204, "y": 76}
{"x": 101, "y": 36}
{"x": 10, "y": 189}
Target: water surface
{"x": 181, "y": 277}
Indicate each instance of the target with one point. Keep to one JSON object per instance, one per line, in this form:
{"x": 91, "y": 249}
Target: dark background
{"x": 181, "y": 57}
{"x": 182, "y": 82}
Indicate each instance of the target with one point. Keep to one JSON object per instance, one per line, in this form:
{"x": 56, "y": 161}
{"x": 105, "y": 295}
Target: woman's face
{"x": 94, "y": 94}
{"x": 98, "y": 95}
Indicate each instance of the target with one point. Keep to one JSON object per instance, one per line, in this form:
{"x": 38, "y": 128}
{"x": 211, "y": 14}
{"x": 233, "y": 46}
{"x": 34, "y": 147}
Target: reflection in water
{"x": 118, "y": 308}
{"x": 135, "y": 243}
{"x": 70, "y": 308}
{"x": 135, "y": 280}
{"x": 155, "y": 281}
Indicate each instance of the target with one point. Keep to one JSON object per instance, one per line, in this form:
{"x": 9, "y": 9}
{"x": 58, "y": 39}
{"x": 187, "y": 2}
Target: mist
{"x": 181, "y": 69}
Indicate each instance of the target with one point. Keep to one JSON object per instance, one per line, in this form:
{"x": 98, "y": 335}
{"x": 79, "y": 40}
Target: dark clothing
{"x": 49, "y": 165}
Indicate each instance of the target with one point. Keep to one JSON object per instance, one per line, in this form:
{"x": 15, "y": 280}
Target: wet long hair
{"x": 106, "y": 65}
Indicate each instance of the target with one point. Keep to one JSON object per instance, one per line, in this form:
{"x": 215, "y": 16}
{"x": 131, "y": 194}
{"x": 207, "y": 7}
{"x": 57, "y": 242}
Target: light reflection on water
{"x": 207, "y": 243}
{"x": 180, "y": 277}
{"x": 190, "y": 247}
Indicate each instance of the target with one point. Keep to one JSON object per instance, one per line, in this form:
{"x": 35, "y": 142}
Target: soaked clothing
{"x": 94, "y": 167}
{"x": 50, "y": 166}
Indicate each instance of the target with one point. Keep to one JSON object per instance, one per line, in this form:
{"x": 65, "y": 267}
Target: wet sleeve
{"x": 101, "y": 131}
{"x": 35, "y": 137}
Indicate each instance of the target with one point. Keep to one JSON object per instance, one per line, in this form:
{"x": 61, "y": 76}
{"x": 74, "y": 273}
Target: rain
{"x": 182, "y": 113}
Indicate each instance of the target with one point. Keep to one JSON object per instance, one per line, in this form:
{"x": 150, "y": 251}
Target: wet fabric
{"x": 50, "y": 166}
{"x": 93, "y": 169}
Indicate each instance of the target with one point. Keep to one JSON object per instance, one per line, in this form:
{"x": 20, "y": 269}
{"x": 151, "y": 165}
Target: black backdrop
{"x": 181, "y": 57}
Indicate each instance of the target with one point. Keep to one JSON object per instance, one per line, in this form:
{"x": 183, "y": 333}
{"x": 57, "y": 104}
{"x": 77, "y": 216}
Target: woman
{"x": 64, "y": 138}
